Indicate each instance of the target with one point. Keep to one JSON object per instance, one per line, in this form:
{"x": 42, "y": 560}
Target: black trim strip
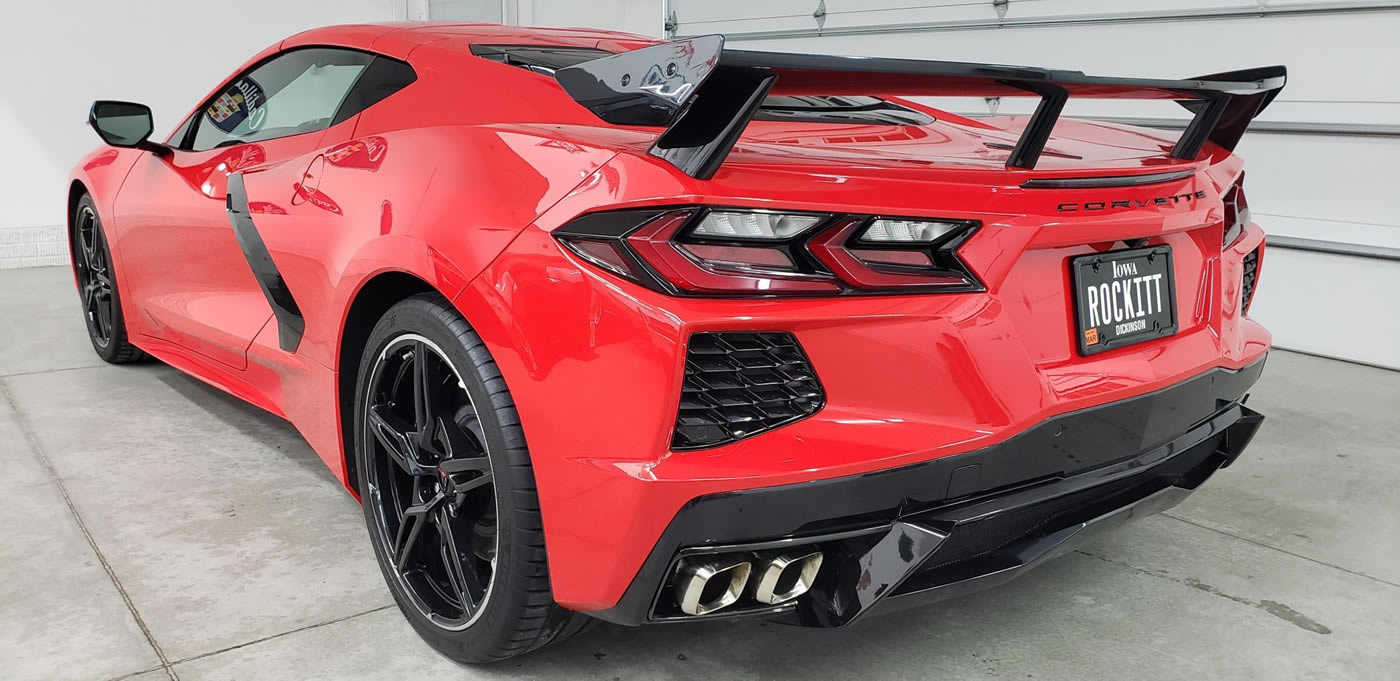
{"x": 1103, "y": 182}
{"x": 290, "y": 324}
{"x": 1033, "y": 139}
{"x": 699, "y": 141}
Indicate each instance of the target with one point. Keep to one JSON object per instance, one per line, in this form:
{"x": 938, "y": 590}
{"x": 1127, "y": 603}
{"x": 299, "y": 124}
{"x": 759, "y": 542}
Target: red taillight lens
{"x": 890, "y": 264}
{"x": 700, "y": 251}
{"x": 741, "y": 270}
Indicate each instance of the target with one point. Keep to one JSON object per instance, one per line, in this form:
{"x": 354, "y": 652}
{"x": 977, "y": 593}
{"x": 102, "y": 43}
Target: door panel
{"x": 185, "y": 271}
{"x": 189, "y": 282}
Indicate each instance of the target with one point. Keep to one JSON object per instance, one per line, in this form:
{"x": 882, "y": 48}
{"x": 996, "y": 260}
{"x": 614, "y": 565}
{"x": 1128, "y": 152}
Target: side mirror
{"x": 125, "y": 124}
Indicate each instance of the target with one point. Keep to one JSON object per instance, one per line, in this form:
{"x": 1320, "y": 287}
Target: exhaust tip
{"x": 786, "y": 576}
{"x": 710, "y": 584}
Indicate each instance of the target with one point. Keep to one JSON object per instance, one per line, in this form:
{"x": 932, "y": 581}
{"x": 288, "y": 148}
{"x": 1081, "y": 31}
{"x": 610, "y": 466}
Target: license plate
{"x": 1123, "y": 297}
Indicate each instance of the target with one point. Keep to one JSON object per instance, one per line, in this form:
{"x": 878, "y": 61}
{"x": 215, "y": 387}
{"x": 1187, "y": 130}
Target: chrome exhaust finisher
{"x": 706, "y": 585}
{"x": 792, "y": 571}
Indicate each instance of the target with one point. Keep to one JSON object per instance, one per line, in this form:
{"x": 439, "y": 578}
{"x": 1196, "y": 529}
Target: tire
{"x": 97, "y": 287}
{"x": 414, "y": 343}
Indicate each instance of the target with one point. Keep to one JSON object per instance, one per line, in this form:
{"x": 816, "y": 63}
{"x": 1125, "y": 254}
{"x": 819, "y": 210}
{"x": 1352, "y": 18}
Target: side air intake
{"x": 740, "y": 384}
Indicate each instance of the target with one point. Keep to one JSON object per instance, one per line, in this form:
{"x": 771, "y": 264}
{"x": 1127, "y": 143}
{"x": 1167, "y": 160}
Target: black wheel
{"x": 448, "y": 490}
{"x": 102, "y": 310}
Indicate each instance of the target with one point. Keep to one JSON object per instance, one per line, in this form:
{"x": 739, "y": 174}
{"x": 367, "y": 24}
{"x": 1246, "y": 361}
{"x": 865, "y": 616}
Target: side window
{"x": 294, "y": 93}
{"x": 384, "y": 77}
{"x": 181, "y": 136}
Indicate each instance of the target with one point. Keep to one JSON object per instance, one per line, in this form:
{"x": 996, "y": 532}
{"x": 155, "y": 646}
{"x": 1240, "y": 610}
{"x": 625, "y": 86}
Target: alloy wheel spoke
{"x": 453, "y": 560}
{"x": 461, "y": 487}
{"x": 90, "y": 296}
{"x": 89, "y": 244}
{"x": 458, "y": 473}
{"x": 398, "y": 438}
{"x": 477, "y": 465}
{"x": 104, "y": 317}
{"x": 423, "y": 376}
{"x": 459, "y": 442}
{"x": 411, "y": 528}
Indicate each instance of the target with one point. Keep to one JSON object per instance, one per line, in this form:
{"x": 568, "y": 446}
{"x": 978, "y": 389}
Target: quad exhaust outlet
{"x": 786, "y": 576}
{"x": 711, "y": 584}
{"x": 708, "y": 584}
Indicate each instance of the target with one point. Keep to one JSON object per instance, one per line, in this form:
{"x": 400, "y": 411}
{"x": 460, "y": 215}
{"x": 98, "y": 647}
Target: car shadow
{"x": 260, "y": 426}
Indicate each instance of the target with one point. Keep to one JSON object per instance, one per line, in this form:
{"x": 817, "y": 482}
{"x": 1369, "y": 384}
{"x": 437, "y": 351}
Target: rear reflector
{"x": 739, "y": 256}
{"x": 604, "y": 254}
{"x": 906, "y": 258}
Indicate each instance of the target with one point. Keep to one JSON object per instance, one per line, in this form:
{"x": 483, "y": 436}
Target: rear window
{"x": 546, "y": 60}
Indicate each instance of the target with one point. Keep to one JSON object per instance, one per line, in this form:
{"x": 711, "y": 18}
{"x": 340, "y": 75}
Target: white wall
{"x": 1342, "y": 70}
{"x": 60, "y": 56}
{"x": 632, "y": 16}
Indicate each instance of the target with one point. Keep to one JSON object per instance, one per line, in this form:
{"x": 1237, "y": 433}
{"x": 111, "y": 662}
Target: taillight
{"x": 883, "y": 254}
{"x": 714, "y": 251}
{"x": 1236, "y": 212}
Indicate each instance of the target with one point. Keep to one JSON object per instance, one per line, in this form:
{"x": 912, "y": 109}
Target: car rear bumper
{"x": 942, "y": 528}
{"x": 913, "y": 385}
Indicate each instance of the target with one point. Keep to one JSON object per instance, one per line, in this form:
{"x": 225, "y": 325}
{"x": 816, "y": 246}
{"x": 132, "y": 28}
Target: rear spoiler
{"x": 705, "y": 95}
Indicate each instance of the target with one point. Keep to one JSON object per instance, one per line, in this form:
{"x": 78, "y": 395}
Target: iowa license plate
{"x": 1123, "y": 297}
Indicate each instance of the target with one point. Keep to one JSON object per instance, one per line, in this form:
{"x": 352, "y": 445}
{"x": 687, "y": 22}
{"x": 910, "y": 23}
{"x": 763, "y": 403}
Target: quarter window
{"x": 294, "y": 93}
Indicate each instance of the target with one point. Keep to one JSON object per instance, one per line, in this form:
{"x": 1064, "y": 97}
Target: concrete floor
{"x": 154, "y": 527}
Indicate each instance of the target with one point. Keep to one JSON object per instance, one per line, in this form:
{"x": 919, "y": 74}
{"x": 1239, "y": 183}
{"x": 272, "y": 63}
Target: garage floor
{"x": 154, "y": 526}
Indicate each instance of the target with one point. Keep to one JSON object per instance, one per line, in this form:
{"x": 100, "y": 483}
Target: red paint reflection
{"x": 365, "y": 153}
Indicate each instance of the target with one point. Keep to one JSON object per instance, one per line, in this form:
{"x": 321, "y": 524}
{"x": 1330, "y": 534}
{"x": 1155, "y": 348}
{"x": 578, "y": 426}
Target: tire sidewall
{"x": 117, "y": 334}
{"x": 510, "y": 580}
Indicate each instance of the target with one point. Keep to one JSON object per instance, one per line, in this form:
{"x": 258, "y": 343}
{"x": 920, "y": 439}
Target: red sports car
{"x": 601, "y": 327}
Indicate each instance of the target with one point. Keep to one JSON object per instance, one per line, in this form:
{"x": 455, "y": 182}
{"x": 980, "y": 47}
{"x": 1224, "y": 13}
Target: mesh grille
{"x": 739, "y": 384}
{"x": 1251, "y": 272}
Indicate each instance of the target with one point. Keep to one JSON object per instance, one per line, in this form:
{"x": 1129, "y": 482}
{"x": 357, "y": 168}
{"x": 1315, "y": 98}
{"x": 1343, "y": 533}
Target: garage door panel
{"x": 849, "y": 13}
{"x": 775, "y": 23}
{"x": 854, "y": 13}
{"x": 1333, "y": 305}
{"x": 729, "y": 16}
{"x": 1330, "y": 58}
{"x": 1329, "y": 177}
{"x": 741, "y": 13}
{"x": 1324, "y": 229}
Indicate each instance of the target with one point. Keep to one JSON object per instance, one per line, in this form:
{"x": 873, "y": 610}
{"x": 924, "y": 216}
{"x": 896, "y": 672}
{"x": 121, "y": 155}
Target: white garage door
{"x": 1322, "y": 177}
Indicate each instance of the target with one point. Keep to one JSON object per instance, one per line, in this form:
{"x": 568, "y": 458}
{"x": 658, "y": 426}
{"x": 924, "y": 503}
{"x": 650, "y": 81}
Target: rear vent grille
{"x": 1251, "y": 273}
{"x": 740, "y": 384}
